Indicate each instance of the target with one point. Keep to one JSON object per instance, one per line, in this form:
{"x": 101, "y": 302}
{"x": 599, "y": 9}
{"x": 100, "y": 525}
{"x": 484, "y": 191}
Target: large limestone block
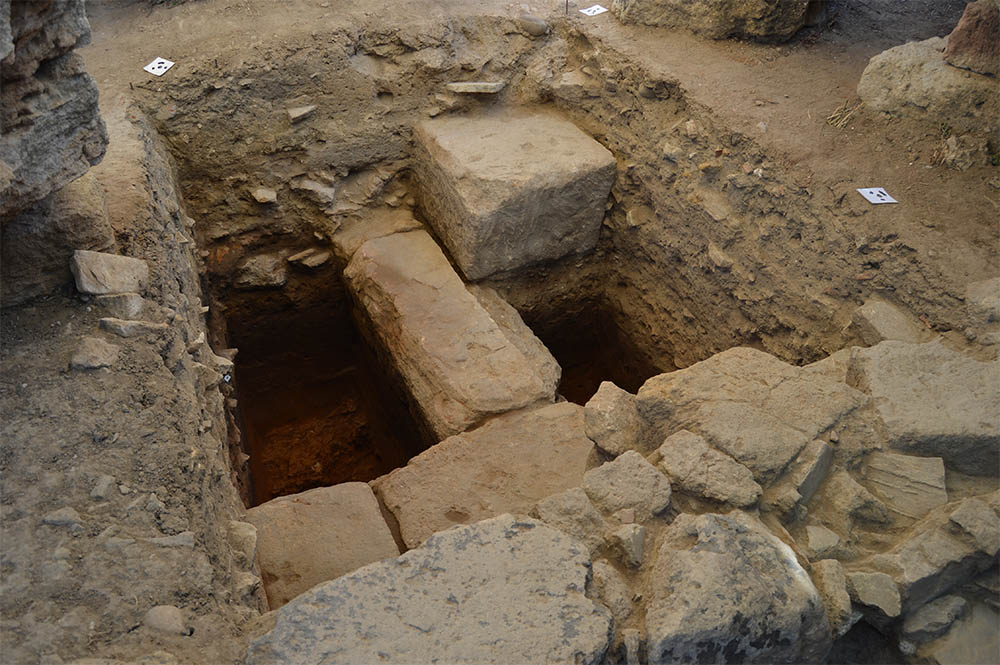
{"x": 766, "y": 20}
{"x": 506, "y": 590}
{"x": 726, "y": 590}
{"x": 311, "y": 537}
{"x": 934, "y": 401}
{"x": 507, "y": 465}
{"x": 460, "y": 366}
{"x": 914, "y": 81}
{"x": 911, "y": 486}
{"x": 506, "y": 190}
{"x": 877, "y": 320}
{"x": 52, "y": 128}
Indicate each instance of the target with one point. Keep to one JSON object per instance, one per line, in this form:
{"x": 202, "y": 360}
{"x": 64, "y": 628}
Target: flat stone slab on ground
{"x": 697, "y": 469}
{"x": 506, "y": 590}
{"x": 909, "y": 485}
{"x": 315, "y": 536}
{"x": 506, "y": 190}
{"x": 507, "y": 465}
{"x": 459, "y": 365}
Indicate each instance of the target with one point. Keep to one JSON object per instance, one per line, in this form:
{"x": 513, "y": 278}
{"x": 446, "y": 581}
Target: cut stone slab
{"x": 125, "y": 328}
{"x": 876, "y": 321}
{"x": 311, "y": 537}
{"x": 695, "y": 468}
{"x": 506, "y": 590}
{"x": 630, "y": 482}
{"x": 97, "y": 273}
{"x": 831, "y": 582}
{"x": 300, "y": 113}
{"x": 510, "y": 189}
{"x": 93, "y": 353}
{"x": 876, "y": 590}
{"x": 507, "y": 465}
{"x": 476, "y": 87}
{"x": 612, "y": 419}
{"x": 727, "y": 590}
{"x": 757, "y": 409}
{"x": 572, "y": 512}
{"x": 376, "y": 223}
{"x": 933, "y": 619}
{"x": 909, "y": 485}
{"x": 934, "y": 402}
{"x": 458, "y": 364}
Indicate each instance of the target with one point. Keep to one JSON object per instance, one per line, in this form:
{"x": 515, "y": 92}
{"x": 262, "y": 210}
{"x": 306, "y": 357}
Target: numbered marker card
{"x": 593, "y": 11}
{"x": 876, "y": 195}
{"x": 159, "y": 66}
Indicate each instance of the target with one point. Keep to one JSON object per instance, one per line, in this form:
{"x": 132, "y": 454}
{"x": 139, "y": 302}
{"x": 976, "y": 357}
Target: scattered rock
{"x": 93, "y": 353}
{"x": 876, "y": 321}
{"x": 631, "y": 640}
{"x": 184, "y": 540}
{"x": 165, "y": 619}
{"x": 764, "y": 20}
{"x": 909, "y": 485}
{"x": 976, "y": 518}
{"x": 671, "y": 151}
{"x": 500, "y": 198}
{"x": 532, "y": 25}
{"x": 122, "y": 305}
{"x": 311, "y": 258}
{"x": 124, "y": 328}
{"x": 846, "y": 497}
{"x": 612, "y": 420}
{"x": 695, "y": 468}
{"x": 102, "y": 487}
{"x": 875, "y": 590}
{"x": 300, "y": 113}
{"x": 629, "y": 481}
{"x": 821, "y": 543}
{"x": 97, "y": 273}
{"x": 265, "y": 195}
{"x": 65, "y": 516}
{"x": 974, "y": 44}
{"x": 242, "y": 537}
{"x": 718, "y": 258}
{"x": 726, "y": 589}
{"x": 262, "y": 271}
{"x": 983, "y": 300}
{"x": 629, "y": 542}
{"x": 410, "y": 294}
{"x": 934, "y": 401}
{"x": 933, "y": 619}
{"x": 507, "y": 465}
{"x": 612, "y": 590}
{"x": 973, "y": 638}
{"x": 572, "y": 512}
{"x": 500, "y": 591}
{"x": 831, "y": 582}
{"x": 311, "y": 537}
{"x": 476, "y": 87}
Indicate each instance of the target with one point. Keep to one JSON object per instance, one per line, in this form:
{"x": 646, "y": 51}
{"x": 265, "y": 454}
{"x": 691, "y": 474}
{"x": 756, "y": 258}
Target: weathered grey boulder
{"x": 572, "y": 512}
{"x": 507, "y": 190}
{"x": 914, "y": 81}
{"x": 876, "y": 321}
{"x": 628, "y": 482}
{"x": 695, "y": 468}
{"x": 507, "y": 465}
{"x": 459, "y": 364}
{"x": 909, "y": 485}
{"x": 750, "y": 405}
{"x": 37, "y": 244}
{"x": 727, "y": 590}
{"x": 318, "y": 535}
{"x": 52, "y": 129}
{"x": 974, "y": 44}
{"x": 934, "y": 401}
{"x": 612, "y": 419}
{"x": 97, "y": 273}
{"x": 765, "y": 20}
{"x": 506, "y": 590}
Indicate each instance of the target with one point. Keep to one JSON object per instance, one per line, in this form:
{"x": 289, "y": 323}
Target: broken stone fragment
{"x": 124, "y": 328}
{"x": 300, "y": 113}
{"x": 629, "y": 543}
{"x": 476, "y": 87}
{"x": 877, "y": 320}
{"x": 470, "y": 594}
{"x": 122, "y": 305}
{"x": 909, "y": 485}
{"x": 242, "y": 538}
{"x": 821, "y": 543}
{"x": 976, "y": 518}
{"x": 93, "y": 353}
{"x": 876, "y": 590}
{"x": 844, "y": 496}
{"x": 629, "y": 481}
{"x": 311, "y": 537}
{"x": 974, "y": 44}
{"x": 697, "y": 469}
{"x": 933, "y": 619}
{"x": 165, "y": 619}
{"x": 731, "y": 572}
{"x": 973, "y": 638}
{"x": 831, "y": 582}
{"x": 65, "y": 516}
{"x": 311, "y": 258}
{"x": 265, "y": 195}
{"x": 572, "y": 512}
{"x": 262, "y": 271}
{"x": 97, "y": 273}
{"x": 983, "y": 300}
{"x": 612, "y": 590}
{"x": 612, "y": 420}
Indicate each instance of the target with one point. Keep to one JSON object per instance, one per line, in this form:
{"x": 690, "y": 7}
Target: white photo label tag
{"x": 876, "y": 195}
{"x": 159, "y": 66}
{"x": 593, "y": 11}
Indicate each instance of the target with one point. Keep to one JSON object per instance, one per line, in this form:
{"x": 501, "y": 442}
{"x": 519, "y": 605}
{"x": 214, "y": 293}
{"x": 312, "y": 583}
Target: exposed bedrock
{"x": 52, "y": 131}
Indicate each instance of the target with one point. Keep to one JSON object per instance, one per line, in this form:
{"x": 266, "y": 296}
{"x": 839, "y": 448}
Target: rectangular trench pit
{"x": 315, "y": 408}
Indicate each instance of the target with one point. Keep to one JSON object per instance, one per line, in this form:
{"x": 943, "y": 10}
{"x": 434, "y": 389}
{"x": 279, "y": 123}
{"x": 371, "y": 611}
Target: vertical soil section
{"x": 590, "y": 349}
{"x": 316, "y": 409}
